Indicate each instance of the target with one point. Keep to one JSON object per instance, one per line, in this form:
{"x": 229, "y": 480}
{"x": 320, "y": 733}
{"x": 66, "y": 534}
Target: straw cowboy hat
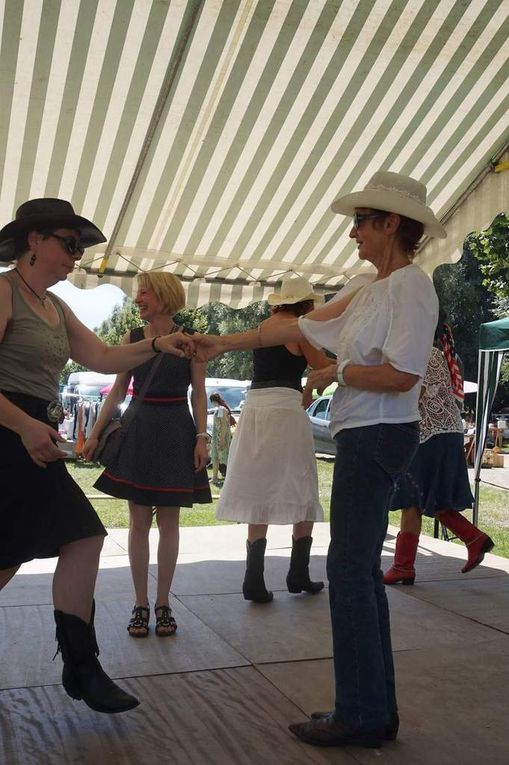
{"x": 45, "y": 214}
{"x": 294, "y": 289}
{"x": 393, "y": 192}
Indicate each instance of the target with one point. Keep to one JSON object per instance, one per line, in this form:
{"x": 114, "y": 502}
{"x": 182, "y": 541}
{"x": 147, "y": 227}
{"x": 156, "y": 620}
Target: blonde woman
{"x": 162, "y": 463}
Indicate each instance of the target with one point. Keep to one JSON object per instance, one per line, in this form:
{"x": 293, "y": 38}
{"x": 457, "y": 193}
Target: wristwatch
{"x": 341, "y": 369}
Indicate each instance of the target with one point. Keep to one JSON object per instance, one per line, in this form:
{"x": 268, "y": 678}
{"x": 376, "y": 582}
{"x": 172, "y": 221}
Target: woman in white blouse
{"x": 382, "y": 334}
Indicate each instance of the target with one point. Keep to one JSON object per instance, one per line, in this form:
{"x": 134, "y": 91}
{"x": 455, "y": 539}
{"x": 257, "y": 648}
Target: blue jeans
{"x": 368, "y": 461}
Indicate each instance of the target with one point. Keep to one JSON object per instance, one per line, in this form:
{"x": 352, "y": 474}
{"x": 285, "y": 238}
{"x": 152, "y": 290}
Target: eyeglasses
{"x": 72, "y": 245}
{"x": 359, "y": 218}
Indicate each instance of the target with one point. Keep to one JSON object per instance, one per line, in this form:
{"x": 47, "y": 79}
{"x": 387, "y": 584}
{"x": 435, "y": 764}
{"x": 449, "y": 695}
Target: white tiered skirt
{"x": 272, "y": 475}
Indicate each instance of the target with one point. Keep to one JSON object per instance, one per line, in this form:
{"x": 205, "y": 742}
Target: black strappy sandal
{"x": 138, "y": 623}
{"x": 165, "y": 623}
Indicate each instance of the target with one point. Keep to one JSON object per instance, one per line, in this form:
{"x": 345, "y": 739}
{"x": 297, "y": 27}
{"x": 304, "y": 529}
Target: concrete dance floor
{"x": 223, "y": 690}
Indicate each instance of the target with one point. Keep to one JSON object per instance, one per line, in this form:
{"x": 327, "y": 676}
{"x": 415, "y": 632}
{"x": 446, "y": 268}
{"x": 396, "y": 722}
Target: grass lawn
{"x": 493, "y": 510}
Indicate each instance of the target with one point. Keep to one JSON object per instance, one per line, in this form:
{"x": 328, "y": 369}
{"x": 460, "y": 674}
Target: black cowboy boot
{"x": 253, "y": 587}
{"x": 298, "y": 574}
{"x": 82, "y": 675}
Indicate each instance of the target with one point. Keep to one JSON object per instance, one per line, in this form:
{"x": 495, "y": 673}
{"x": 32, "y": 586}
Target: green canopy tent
{"x": 493, "y": 343}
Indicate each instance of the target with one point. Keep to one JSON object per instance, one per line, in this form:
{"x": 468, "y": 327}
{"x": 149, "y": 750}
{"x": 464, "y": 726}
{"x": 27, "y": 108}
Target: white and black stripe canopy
{"x": 209, "y": 137}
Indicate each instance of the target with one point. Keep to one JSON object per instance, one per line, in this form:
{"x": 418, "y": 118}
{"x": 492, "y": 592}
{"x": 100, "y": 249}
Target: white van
{"x": 86, "y": 384}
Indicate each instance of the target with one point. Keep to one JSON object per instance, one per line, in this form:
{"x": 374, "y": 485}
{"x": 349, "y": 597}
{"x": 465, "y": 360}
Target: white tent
{"x": 209, "y": 137}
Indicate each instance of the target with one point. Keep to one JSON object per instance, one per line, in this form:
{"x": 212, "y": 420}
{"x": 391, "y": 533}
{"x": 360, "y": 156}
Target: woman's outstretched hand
{"x": 178, "y": 343}
{"x": 319, "y": 379}
{"x": 207, "y": 347}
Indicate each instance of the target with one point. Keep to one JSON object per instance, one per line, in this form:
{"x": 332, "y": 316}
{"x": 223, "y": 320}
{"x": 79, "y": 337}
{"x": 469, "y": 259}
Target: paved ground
{"x": 223, "y": 690}
{"x": 494, "y": 476}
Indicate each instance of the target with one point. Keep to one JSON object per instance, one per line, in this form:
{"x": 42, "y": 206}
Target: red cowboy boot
{"x": 478, "y": 543}
{"x": 402, "y": 570}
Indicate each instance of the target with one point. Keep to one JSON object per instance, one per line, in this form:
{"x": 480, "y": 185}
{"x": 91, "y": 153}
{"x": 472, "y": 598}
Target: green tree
{"x": 71, "y": 366}
{"x": 467, "y": 303}
{"x": 491, "y": 249}
{"x": 221, "y": 320}
{"x": 476, "y": 290}
{"x": 123, "y": 318}
{"x": 193, "y": 318}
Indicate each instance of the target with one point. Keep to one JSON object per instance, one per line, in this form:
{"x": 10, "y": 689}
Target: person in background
{"x": 272, "y": 475}
{"x": 221, "y": 436}
{"x": 43, "y": 512}
{"x": 161, "y": 466}
{"x": 382, "y": 334}
{"x": 436, "y": 483}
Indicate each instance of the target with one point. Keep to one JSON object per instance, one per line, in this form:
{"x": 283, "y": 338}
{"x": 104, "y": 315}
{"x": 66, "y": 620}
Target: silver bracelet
{"x": 340, "y": 372}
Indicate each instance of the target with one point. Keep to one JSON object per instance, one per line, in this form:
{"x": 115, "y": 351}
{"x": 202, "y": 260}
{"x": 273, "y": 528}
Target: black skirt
{"x": 41, "y": 509}
{"x": 155, "y": 466}
{"x": 437, "y": 478}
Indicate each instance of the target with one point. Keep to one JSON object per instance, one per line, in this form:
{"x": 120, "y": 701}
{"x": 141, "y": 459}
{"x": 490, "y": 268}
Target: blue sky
{"x": 90, "y": 306}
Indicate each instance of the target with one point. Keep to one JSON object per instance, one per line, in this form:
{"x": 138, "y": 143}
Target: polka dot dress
{"x": 156, "y": 464}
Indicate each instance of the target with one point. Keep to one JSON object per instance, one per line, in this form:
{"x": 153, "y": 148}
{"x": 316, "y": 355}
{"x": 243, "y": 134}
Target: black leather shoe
{"x": 327, "y": 731}
{"x": 391, "y": 729}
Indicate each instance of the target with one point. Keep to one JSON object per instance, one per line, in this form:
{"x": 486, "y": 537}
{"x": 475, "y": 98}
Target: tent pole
{"x": 475, "y": 513}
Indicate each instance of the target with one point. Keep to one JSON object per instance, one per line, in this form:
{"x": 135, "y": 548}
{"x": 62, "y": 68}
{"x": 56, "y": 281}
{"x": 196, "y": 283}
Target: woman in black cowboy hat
{"x": 43, "y": 512}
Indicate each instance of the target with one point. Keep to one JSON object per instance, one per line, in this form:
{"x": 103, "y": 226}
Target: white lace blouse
{"x": 437, "y": 405}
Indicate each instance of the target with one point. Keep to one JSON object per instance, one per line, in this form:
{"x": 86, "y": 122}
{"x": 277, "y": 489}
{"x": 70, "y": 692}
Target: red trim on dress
{"x": 162, "y": 399}
{"x": 152, "y": 488}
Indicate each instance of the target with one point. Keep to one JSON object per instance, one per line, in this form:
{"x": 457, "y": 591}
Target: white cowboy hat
{"x": 393, "y": 192}
{"x": 294, "y": 289}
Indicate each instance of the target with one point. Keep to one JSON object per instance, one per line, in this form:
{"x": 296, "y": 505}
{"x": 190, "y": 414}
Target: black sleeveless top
{"x": 173, "y": 376}
{"x": 276, "y": 367}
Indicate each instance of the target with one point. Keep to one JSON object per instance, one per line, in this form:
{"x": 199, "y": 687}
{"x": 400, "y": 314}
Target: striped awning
{"x": 209, "y": 137}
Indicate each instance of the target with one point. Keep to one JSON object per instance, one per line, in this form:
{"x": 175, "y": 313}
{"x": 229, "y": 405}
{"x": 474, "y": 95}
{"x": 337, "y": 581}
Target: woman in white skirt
{"x": 272, "y": 476}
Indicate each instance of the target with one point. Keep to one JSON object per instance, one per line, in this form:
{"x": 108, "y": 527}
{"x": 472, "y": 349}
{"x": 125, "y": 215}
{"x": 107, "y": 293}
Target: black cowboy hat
{"x": 45, "y": 214}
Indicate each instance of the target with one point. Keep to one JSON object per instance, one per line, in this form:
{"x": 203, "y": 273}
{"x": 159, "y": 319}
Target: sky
{"x": 90, "y": 306}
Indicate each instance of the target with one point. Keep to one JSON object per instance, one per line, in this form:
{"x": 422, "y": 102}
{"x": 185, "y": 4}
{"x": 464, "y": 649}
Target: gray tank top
{"x": 32, "y": 354}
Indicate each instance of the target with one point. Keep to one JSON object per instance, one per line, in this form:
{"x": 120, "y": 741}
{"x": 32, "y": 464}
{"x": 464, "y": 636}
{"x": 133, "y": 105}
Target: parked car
{"x": 232, "y": 391}
{"x": 319, "y": 417}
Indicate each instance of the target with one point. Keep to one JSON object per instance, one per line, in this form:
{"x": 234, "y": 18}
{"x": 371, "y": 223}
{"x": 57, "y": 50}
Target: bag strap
{"x": 132, "y": 411}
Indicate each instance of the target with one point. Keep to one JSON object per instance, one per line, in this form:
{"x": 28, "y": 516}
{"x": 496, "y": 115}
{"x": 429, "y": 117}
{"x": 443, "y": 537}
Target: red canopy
{"x": 104, "y": 391}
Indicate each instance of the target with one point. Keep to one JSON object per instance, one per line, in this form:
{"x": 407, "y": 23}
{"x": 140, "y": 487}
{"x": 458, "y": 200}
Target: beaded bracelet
{"x": 154, "y": 347}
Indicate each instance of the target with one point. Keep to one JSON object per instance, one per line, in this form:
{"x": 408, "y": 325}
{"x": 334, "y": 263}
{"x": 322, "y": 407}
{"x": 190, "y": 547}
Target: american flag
{"x": 452, "y": 362}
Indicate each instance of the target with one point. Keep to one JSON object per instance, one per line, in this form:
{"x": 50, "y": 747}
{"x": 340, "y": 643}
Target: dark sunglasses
{"x": 72, "y": 245}
{"x": 359, "y": 218}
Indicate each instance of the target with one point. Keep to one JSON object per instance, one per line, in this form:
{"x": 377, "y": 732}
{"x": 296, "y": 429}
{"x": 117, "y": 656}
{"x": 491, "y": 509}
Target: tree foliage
{"x": 467, "y": 303}
{"x": 123, "y": 318}
{"x": 491, "y": 249}
{"x": 476, "y": 290}
{"x": 221, "y": 320}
